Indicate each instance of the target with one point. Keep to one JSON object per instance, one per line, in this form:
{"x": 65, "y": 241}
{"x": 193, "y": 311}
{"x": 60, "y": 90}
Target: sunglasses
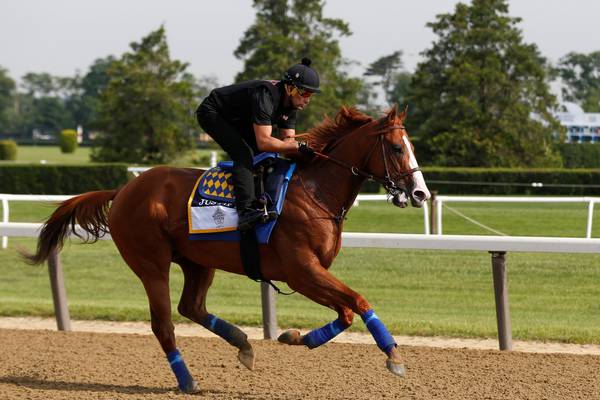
{"x": 303, "y": 92}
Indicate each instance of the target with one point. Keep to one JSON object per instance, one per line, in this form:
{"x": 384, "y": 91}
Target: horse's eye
{"x": 397, "y": 148}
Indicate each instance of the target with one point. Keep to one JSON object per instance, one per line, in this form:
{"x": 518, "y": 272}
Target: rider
{"x": 240, "y": 118}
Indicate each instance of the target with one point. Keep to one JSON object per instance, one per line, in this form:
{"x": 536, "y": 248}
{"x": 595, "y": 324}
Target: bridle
{"x": 386, "y": 181}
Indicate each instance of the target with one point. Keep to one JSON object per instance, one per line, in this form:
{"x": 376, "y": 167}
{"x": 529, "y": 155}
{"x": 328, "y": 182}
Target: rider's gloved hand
{"x": 305, "y": 149}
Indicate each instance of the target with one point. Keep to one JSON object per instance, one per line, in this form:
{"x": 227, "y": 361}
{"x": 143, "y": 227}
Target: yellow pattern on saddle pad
{"x": 214, "y": 184}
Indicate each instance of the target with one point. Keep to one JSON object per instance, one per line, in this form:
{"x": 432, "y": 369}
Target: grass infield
{"x": 552, "y": 296}
{"x": 53, "y": 155}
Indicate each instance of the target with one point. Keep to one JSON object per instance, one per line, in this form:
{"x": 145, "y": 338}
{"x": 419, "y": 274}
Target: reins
{"x": 386, "y": 181}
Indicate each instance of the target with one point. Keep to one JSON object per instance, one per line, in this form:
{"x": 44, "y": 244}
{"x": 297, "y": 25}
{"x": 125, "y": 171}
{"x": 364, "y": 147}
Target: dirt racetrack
{"x": 76, "y": 365}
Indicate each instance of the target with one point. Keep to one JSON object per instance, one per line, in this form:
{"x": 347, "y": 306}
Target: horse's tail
{"x": 89, "y": 210}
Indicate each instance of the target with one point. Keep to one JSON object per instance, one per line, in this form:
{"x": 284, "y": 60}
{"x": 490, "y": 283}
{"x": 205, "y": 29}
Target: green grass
{"x": 552, "y": 296}
{"x": 53, "y": 155}
{"x": 514, "y": 219}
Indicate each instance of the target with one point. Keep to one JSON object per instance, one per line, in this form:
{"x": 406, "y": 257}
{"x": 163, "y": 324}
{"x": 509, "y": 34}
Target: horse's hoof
{"x": 396, "y": 368}
{"x": 246, "y": 357}
{"x": 191, "y": 388}
{"x": 291, "y": 337}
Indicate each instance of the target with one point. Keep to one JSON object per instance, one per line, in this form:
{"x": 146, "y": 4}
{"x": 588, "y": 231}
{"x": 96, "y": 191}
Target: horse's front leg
{"x": 319, "y": 285}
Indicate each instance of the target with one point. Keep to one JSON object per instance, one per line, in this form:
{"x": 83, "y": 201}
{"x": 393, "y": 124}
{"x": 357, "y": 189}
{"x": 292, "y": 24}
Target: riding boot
{"x": 243, "y": 181}
{"x": 248, "y": 217}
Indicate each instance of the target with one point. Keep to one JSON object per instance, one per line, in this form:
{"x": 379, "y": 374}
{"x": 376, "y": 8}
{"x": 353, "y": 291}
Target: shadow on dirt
{"x": 41, "y": 384}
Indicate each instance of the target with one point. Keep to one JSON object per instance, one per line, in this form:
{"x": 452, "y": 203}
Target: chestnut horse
{"x": 148, "y": 223}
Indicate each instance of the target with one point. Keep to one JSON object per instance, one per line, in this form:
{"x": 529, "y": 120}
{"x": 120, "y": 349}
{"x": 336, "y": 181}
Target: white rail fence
{"x": 6, "y": 198}
{"x": 496, "y": 245}
{"x": 440, "y": 200}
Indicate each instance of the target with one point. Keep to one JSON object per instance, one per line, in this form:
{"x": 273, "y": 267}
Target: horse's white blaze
{"x": 418, "y": 178}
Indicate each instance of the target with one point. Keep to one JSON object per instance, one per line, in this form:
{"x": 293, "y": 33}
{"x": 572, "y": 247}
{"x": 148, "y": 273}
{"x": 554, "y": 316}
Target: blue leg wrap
{"x": 184, "y": 379}
{"x": 224, "y": 329}
{"x": 382, "y": 336}
{"x": 322, "y": 335}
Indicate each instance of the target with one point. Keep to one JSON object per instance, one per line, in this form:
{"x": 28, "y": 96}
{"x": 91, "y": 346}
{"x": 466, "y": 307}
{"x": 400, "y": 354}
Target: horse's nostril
{"x": 419, "y": 195}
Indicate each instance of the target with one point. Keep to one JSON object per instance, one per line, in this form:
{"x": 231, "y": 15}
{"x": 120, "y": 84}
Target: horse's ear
{"x": 403, "y": 114}
{"x": 392, "y": 113}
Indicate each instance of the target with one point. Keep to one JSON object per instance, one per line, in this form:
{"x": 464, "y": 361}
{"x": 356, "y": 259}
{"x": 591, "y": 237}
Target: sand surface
{"x": 46, "y": 364}
{"x": 143, "y": 328}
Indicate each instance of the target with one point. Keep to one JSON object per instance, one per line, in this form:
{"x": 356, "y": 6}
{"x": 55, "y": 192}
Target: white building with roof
{"x": 581, "y": 127}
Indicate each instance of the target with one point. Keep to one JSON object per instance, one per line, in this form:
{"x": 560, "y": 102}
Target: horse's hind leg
{"x": 193, "y": 306}
{"x": 153, "y": 271}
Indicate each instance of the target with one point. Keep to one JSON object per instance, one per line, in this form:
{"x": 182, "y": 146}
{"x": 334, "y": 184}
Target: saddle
{"x": 212, "y": 214}
{"x": 211, "y": 205}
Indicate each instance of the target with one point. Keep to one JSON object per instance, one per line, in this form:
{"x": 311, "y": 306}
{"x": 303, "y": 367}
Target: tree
{"x": 49, "y": 114}
{"x": 580, "y": 74}
{"x": 145, "y": 112}
{"x": 7, "y": 89}
{"x": 43, "y": 105}
{"x": 40, "y": 84}
{"x": 400, "y": 88}
{"x": 385, "y": 68}
{"x": 283, "y": 32}
{"x": 394, "y": 81}
{"x": 203, "y": 86}
{"x": 480, "y": 97}
{"x": 83, "y": 100}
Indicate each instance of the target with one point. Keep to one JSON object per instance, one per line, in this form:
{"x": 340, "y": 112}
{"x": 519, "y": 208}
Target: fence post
{"x": 590, "y": 219}
{"x": 501, "y": 295}
{"x": 426, "y": 223}
{"x": 4, "y": 219}
{"x": 268, "y": 311}
{"x": 59, "y": 294}
{"x": 433, "y": 212}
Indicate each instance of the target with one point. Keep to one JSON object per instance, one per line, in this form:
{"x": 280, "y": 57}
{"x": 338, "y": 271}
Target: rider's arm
{"x": 262, "y": 112}
{"x": 265, "y": 142}
{"x": 287, "y": 134}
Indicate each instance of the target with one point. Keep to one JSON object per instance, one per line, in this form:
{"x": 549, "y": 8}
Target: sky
{"x": 64, "y": 36}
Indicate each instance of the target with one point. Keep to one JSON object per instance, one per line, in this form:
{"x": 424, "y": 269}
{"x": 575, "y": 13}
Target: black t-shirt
{"x": 252, "y": 102}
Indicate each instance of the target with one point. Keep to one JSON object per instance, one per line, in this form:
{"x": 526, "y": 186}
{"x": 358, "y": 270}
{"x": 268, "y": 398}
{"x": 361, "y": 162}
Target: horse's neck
{"x": 333, "y": 185}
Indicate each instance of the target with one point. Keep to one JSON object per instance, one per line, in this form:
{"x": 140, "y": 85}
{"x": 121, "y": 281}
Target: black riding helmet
{"x": 303, "y": 76}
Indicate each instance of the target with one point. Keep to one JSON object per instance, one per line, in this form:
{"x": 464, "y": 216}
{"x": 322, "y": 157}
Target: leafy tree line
{"x": 480, "y": 97}
{"x": 49, "y": 103}
{"x": 139, "y": 104}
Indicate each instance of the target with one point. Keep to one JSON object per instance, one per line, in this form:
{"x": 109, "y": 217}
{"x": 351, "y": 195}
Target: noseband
{"x": 386, "y": 181}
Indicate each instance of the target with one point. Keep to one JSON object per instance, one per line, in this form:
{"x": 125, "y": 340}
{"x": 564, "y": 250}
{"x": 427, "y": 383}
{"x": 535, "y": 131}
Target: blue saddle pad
{"x": 211, "y": 206}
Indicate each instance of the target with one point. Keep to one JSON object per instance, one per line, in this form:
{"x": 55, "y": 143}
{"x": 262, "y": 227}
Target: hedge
{"x": 505, "y": 181}
{"x": 68, "y": 141}
{"x": 580, "y": 155}
{"x": 8, "y": 150}
{"x": 61, "y": 179}
{"x": 73, "y": 179}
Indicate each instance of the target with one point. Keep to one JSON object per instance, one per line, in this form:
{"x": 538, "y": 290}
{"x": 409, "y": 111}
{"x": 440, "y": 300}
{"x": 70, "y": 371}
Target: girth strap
{"x": 250, "y": 255}
{"x": 251, "y": 259}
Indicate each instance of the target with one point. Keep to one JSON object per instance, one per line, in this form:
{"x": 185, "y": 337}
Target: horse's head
{"x": 392, "y": 161}
{"x": 379, "y": 150}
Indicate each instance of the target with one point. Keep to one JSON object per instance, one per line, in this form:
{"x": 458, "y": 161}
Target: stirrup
{"x": 248, "y": 218}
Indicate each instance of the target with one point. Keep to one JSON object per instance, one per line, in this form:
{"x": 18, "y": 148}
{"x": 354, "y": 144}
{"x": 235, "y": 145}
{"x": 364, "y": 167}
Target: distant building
{"x": 581, "y": 127}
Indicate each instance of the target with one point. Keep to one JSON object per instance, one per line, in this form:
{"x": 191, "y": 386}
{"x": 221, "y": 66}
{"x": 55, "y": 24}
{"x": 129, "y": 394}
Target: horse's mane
{"x": 346, "y": 121}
